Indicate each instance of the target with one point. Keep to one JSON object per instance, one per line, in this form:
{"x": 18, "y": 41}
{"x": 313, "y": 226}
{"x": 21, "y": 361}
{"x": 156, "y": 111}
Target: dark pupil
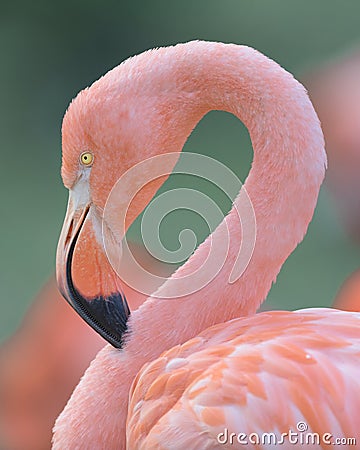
{"x": 85, "y": 157}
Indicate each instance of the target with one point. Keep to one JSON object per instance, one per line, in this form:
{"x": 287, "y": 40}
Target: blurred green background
{"x": 51, "y": 50}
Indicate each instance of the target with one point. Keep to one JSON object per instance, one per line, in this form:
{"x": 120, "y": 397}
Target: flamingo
{"x": 42, "y": 362}
{"x": 182, "y": 369}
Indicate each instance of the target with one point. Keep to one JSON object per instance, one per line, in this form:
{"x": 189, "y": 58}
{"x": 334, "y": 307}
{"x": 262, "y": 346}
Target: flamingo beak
{"x": 106, "y": 312}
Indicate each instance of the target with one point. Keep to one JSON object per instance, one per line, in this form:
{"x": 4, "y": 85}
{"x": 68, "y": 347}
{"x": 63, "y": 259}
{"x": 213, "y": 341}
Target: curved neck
{"x": 283, "y": 184}
{"x": 170, "y": 90}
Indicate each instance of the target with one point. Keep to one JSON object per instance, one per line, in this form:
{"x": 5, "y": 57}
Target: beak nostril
{"x": 69, "y": 234}
{"x": 77, "y": 219}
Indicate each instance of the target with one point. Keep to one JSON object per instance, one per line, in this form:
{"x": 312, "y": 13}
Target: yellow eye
{"x": 86, "y": 158}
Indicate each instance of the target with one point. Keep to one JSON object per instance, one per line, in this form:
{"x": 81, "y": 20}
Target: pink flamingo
{"x": 200, "y": 363}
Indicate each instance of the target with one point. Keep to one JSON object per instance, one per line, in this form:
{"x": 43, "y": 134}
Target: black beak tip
{"x": 108, "y": 316}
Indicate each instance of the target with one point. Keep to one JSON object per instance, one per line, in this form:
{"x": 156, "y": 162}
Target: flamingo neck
{"x": 283, "y": 185}
{"x": 186, "y": 82}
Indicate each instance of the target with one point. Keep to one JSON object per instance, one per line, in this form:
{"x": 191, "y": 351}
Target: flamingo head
{"x": 130, "y": 115}
{"x": 101, "y": 140}
{"x": 84, "y": 275}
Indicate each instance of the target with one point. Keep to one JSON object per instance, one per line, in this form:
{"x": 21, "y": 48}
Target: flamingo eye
{"x": 86, "y": 158}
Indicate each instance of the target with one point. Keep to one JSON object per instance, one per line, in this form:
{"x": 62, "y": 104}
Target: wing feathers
{"x": 259, "y": 374}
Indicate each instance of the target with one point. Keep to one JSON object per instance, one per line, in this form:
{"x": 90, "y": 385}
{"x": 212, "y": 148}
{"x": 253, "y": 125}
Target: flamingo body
{"x": 244, "y": 375}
